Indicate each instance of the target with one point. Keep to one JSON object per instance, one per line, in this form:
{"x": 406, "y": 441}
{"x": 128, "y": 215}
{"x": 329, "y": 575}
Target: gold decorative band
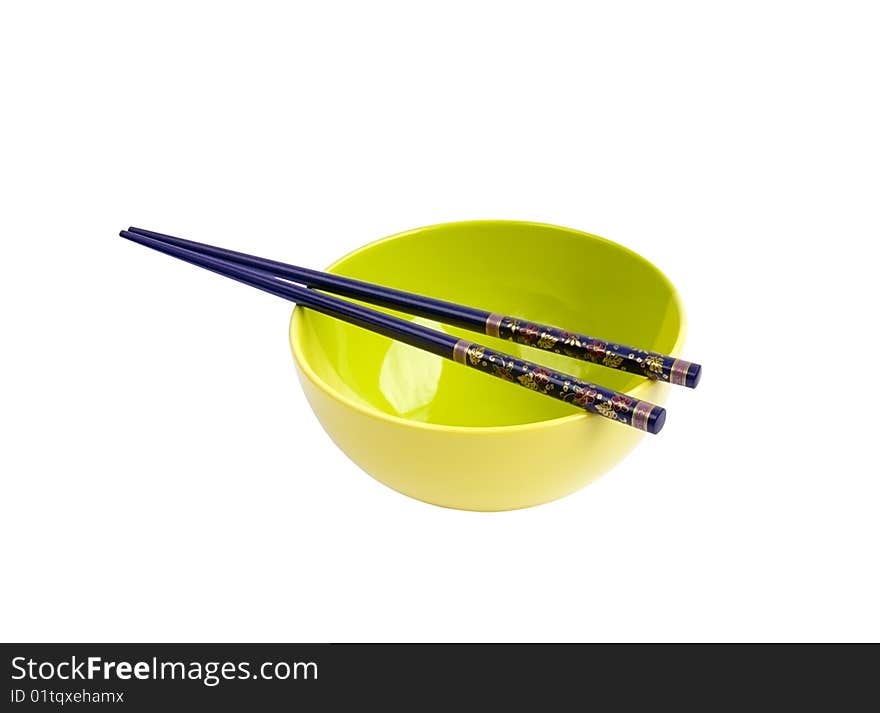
{"x": 679, "y": 371}
{"x": 493, "y": 324}
{"x": 641, "y": 412}
{"x": 460, "y": 350}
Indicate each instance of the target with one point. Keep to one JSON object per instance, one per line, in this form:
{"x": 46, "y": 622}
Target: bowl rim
{"x": 295, "y": 328}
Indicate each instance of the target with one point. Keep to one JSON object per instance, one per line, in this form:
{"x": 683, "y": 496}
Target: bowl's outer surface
{"x": 445, "y": 434}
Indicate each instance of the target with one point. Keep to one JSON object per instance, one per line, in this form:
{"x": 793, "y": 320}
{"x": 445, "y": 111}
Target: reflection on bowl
{"x": 451, "y": 436}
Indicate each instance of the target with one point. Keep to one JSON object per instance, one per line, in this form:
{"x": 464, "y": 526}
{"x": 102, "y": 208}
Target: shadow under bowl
{"x": 448, "y": 435}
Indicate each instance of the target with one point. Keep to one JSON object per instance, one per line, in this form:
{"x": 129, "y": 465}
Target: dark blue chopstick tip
{"x": 134, "y": 237}
{"x": 694, "y": 372}
{"x": 656, "y": 419}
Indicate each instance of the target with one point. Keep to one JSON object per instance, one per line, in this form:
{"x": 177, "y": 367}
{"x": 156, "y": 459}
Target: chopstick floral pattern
{"x": 596, "y": 351}
{"x": 590, "y": 397}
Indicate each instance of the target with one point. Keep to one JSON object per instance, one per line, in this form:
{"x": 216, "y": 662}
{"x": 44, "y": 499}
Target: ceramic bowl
{"x": 448, "y": 435}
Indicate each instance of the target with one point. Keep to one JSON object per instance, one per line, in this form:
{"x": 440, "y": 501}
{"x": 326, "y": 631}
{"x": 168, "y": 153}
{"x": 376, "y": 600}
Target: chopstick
{"x": 578, "y": 346}
{"x": 589, "y": 397}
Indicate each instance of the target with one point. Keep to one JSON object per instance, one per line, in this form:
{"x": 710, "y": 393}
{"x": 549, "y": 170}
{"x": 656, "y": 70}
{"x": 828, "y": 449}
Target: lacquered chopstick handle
{"x": 598, "y": 351}
{"x": 590, "y": 397}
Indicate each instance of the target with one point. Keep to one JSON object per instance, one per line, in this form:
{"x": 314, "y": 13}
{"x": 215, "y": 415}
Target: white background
{"x": 162, "y": 475}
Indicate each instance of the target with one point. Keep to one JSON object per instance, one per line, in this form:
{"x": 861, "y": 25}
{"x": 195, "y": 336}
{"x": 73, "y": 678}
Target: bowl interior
{"x": 544, "y": 273}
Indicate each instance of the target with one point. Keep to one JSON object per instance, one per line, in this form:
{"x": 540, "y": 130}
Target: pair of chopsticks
{"x": 275, "y": 277}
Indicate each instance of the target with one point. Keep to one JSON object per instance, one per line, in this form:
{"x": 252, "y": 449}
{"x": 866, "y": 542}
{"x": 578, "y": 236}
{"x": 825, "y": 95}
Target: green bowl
{"x": 449, "y": 435}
